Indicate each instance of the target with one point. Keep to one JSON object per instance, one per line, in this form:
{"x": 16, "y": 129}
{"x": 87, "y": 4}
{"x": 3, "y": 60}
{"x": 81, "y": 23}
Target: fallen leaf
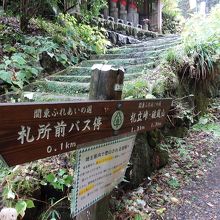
{"x": 175, "y": 200}
{"x": 160, "y": 211}
{"x": 159, "y": 189}
{"x": 210, "y": 204}
{"x": 167, "y": 174}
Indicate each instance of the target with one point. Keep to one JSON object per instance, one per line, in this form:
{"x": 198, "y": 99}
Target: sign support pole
{"x": 106, "y": 84}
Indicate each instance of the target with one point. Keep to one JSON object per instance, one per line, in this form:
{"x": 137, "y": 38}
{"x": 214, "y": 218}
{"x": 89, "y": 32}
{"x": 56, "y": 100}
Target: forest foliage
{"x": 64, "y": 39}
{"x": 200, "y": 51}
{"x": 196, "y": 60}
{"x": 172, "y": 18}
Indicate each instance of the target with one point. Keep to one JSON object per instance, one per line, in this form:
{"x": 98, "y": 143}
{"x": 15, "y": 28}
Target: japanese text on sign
{"x": 99, "y": 169}
{"x": 31, "y": 131}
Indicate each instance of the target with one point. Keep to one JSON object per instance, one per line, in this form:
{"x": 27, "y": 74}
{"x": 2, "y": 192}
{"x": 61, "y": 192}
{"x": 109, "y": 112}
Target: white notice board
{"x": 99, "y": 169}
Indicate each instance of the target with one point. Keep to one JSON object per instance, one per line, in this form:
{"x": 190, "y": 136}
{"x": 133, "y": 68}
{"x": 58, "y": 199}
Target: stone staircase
{"x": 73, "y": 83}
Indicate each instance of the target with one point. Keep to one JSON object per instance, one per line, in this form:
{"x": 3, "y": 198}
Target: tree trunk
{"x": 24, "y": 21}
{"x": 24, "y": 18}
{"x": 5, "y": 3}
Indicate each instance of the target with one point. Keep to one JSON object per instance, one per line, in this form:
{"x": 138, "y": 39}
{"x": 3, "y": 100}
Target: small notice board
{"x": 99, "y": 169}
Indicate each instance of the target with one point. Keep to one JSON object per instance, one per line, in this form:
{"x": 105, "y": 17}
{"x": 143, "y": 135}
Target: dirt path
{"x": 201, "y": 199}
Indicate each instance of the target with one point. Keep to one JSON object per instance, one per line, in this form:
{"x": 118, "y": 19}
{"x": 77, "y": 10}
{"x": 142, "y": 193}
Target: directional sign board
{"x": 32, "y": 131}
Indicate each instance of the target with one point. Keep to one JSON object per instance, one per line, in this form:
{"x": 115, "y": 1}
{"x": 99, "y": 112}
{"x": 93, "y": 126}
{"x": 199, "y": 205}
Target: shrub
{"x": 200, "y": 50}
{"x": 136, "y": 89}
{"x": 172, "y": 18}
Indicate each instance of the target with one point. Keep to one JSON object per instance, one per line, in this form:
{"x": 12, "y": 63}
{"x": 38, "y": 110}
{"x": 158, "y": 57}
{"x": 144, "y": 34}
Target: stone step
{"x": 72, "y": 84}
{"x": 120, "y": 62}
{"x": 51, "y": 97}
{"x": 85, "y": 79}
{"x": 155, "y": 41}
{"x": 140, "y": 68}
{"x": 85, "y": 71}
{"x": 74, "y": 71}
{"x": 61, "y": 88}
{"x": 134, "y": 54}
{"x": 13, "y": 97}
{"x": 128, "y": 50}
{"x": 66, "y": 78}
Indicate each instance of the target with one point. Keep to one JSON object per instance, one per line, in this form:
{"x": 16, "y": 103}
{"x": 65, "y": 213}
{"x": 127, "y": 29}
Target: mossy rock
{"x": 154, "y": 137}
{"x": 140, "y": 160}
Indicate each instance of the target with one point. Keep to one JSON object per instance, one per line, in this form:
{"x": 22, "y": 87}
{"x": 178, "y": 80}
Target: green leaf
{"x": 30, "y": 204}
{"x": 19, "y": 83}
{"x": 50, "y": 178}
{"x": 63, "y": 58}
{"x": 138, "y": 217}
{"x": 7, "y": 62}
{"x": 18, "y": 59}
{"x": 68, "y": 180}
{"x": 43, "y": 183}
{"x": 160, "y": 211}
{"x": 8, "y": 48}
{"x": 21, "y": 75}
{"x": 21, "y": 207}
{"x": 6, "y": 76}
{"x": 57, "y": 185}
{"x": 61, "y": 172}
{"x": 74, "y": 59}
{"x": 174, "y": 183}
{"x": 34, "y": 71}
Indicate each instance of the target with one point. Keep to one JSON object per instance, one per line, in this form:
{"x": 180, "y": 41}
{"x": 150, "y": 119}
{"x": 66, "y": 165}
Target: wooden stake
{"x": 106, "y": 84}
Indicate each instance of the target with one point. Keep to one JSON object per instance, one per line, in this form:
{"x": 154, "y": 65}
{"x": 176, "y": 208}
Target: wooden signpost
{"x": 31, "y": 131}
{"x": 34, "y": 131}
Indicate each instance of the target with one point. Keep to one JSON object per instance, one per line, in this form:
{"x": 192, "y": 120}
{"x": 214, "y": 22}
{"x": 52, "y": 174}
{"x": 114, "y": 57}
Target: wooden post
{"x": 159, "y": 18}
{"x": 106, "y": 84}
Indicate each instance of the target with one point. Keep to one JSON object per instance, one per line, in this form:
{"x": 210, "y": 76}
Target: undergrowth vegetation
{"x": 201, "y": 47}
{"x": 196, "y": 61}
{"x": 136, "y": 89}
{"x": 24, "y": 187}
{"x": 172, "y": 18}
{"x": 54, "y": 46}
